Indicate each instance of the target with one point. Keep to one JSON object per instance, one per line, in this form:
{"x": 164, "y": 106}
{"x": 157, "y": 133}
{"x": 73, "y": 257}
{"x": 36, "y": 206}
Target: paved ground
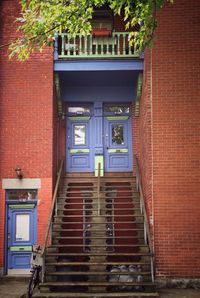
{"x": 17, "y": 287}
{"x": 14, "y": 287}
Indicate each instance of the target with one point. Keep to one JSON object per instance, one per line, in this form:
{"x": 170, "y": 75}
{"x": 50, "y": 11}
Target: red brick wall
{"x": 145, "y": 135}
{"x": 173, "y": 116}
{"x": 26, "y": 122}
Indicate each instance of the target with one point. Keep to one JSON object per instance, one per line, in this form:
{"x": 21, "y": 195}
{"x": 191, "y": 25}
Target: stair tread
{"x": 106, "y": 215}
{"x": 97, "y": 295}
{"x": 89, "y": 229}
{"x": 98, "y": 273}
{"x": 107, "y": 254}
{"x": 102, "y": 197}
{"x": 131, "y": 202}
{"x": 99, "y": 237}
{"x": 94, "y": 263}
{"x": 99, "y": 223}
{"x": 95, "y": 209}
{"x": 95, "y": 283}
{"x": 98, "y": 245}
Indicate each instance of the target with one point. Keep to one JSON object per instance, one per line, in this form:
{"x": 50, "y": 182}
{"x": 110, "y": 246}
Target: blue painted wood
{"x": 97, "y": 136}
{"x": 114, "y": 161}
{"x": 96, "y": 93}
{"x": 56, "y": 46}
{"x": 99, "y": 142}
{"x": 79, "y": 161}
{"x": 20, "y": 259}
{"x": 96, "y": 86}
{"x": 99, "y": 65}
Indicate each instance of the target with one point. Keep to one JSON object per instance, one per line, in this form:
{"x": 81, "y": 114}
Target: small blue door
{"x": 79, "y": 150}
{"x": 21, "y": 235}
{"x": 118, "y": 144}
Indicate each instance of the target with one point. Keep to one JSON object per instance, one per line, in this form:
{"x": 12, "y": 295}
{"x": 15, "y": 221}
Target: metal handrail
{"x": 147, "y": 234}
{"x": 98, "y": 188}
{"x": 52, "y": 208}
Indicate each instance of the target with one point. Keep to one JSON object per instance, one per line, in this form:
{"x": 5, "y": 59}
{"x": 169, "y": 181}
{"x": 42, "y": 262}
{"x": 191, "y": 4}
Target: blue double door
{"x": 99, "y": 133}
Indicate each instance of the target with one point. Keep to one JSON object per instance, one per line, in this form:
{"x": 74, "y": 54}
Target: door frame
{"x": 16, "y": 202}
{"x": 98, "y": 149}
{"x": 125, "y": 121}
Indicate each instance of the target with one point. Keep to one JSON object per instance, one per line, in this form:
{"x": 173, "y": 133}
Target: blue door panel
{"x": 118, "y": 161}
{"x": 118, "y": 151}
{"x": 13, "y": 213}
{"x": 19, "y": 260}
{"x": 79, "y": 151}
{"x": 80, "y": 162}
{"x": 20, "y": 238}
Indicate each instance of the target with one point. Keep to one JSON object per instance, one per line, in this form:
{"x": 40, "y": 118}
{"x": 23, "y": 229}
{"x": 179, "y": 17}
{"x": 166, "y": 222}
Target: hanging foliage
{"x": 40, "y": 19}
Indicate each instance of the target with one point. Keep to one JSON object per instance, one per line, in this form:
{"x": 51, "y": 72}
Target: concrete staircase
{"x": 98, "y": 246}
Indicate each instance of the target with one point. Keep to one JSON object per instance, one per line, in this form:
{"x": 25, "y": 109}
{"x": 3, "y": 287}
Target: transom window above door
{"x": 79, "y": 110}
{"x": 117, "y": 109}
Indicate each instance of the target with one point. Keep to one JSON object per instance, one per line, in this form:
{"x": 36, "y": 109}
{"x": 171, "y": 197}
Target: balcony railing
{"x": 115, "y": 45}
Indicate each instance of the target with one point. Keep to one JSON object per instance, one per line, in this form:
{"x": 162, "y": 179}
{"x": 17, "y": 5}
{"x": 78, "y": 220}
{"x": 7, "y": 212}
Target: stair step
{"x": 95, "y": 209}
{"x": 97, "y": 295}
{"x": 94, "y": 263}
{"x": 99, "y": 237}
{"x": 98, "y": 245}
{"x": 93, "y": 230}
{"x": 92, "y": 216}
{"x": 91, "y": 202}
{"x": 74, "y": 284}
{"x": 99, "y": 223}
{"x": 71, "y": 273}
{"x": 124, "y": 197}
{"x": 105, "y": 187}
{"x": 106, "y": 254}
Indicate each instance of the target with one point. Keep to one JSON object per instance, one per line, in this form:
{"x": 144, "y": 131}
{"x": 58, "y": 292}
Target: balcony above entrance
{"x": 96, "y": 45}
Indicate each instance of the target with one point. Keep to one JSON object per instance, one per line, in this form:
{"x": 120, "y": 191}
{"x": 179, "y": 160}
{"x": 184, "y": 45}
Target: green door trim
{"x": 20, "y": 248}
{"x": 111, "y": 118}
{"x": 23, "y": 206}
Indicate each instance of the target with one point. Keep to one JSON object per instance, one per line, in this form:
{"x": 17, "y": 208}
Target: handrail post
{"x": 98, "y": 188}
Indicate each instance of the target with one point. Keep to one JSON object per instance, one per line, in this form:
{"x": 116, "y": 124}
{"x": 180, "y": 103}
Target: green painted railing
{"x": 91, "y": 46}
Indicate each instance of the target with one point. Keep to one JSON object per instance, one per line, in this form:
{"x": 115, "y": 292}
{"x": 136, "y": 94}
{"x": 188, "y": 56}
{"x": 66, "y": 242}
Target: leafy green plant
{"x": 40, "y": 19}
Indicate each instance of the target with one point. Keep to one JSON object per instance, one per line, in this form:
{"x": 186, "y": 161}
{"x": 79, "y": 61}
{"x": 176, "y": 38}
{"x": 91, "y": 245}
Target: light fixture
{"x": 18, "y": 172}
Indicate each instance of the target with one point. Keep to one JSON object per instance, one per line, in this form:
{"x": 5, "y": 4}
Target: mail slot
{"x": 123, "y": 150}
{"x": 77, "y": 151}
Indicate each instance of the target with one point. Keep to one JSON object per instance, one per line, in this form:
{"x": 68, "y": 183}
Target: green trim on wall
{"x": 58, "y": 95}
{"x": 99, "y": 159}
{"x": 111, "y": 118}
{"x": 20, "y": 248}
{"x": 75, "y": 151}
{"x": 117, "y": 150}
{"x": 84, "y": 118}
{"x": 138, "y": 94}
{"x": 22, "y": 206}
